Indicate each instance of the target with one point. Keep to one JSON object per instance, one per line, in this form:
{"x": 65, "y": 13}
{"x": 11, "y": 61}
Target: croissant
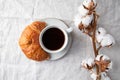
{"x": 29, "y": 42}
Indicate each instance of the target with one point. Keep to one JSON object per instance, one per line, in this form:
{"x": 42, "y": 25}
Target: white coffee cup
{"x": 66, "y": 38}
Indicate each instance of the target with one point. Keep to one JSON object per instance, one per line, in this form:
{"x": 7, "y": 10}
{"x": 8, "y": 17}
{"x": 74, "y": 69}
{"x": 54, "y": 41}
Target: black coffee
{"x": 53, "y": 39}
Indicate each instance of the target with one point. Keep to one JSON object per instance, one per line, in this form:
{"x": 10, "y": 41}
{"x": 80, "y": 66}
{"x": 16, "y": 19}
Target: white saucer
{"x": 57, "y": 23}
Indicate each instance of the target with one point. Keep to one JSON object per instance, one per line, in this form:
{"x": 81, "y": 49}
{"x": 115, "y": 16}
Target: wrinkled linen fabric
{"x": 16, "y": 14}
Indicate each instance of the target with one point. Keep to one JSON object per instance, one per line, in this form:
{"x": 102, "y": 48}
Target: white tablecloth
{"x": 16, "y": 14}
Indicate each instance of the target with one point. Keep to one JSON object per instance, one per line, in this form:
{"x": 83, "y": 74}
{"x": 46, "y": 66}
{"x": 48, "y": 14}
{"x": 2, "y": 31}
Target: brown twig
{"x": 93, "y": 36}
{"x": 88, "y": 34}
{"x": 94, "y": 44}
{"x": 98, "y": 49}
{"x": 91, "y": 32}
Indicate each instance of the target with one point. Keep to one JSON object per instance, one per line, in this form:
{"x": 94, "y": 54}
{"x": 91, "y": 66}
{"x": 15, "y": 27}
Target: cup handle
{"x": 69, "y": 30}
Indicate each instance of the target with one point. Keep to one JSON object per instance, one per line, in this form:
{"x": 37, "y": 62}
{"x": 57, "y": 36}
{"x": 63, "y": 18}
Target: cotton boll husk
{"x": 107, "y": 40}
{"x": 87, "y": 2}
{"x": 82, "y": 11}
{"x": 93, "y": 76}
{"x": 104, "y": 76}
{"x": 77, "y": 20}
{"x": 87, "y": 20}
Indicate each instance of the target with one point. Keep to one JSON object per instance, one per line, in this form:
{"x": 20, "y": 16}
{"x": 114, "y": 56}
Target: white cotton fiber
{"x": 89, "y": 62}
{"x": 107, "y": 40}
{"x": 103, "y": 38}
{"x": 100, "y": 32}
{"x": 98, "y": 57}
{"x": 82, "y": 11}
{"x": 77, "y": 20}
{"x": 87, "y": 20}
{"x": 104, "y": 76}
{"x": 110, "y": 65}
{"x": 83, "y": 63}
{"x": 93, "y": 76}
{"x": 104, "y": 57}
{"x": 87, "y": 2}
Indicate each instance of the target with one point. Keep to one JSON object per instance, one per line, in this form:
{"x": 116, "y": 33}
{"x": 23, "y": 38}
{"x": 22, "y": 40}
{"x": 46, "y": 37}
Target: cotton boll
{"x": 108, "y": 40}
{"x": 88, "y": 2}
{"x": 93, "y": 76}
{"x": 87, "y": 20}
{"x": 77, "y": 20}
{"x": 82, "y": 11}
{"x": 100, "y": 32}
{"x": 103, "y": 38}
{"x": 84, "y": 64}
{"x": 104, "y": 62}
{"x": 88, "y": 63}
{"x": 104, "y": 76}
{"x": 84, "y": 20}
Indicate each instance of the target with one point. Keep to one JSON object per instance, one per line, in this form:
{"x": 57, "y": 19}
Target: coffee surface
{"x": 53, "y": 39}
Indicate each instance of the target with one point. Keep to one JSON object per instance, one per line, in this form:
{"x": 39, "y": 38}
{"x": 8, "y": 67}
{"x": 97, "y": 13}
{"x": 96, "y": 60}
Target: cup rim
{"x": 53, "y": 51}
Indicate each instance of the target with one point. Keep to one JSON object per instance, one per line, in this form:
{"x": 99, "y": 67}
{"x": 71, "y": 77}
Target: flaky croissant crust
{"x": 29, "y": 42}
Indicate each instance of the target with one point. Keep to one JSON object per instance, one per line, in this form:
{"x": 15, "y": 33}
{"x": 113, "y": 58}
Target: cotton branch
{"x": 86, "y": 21}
